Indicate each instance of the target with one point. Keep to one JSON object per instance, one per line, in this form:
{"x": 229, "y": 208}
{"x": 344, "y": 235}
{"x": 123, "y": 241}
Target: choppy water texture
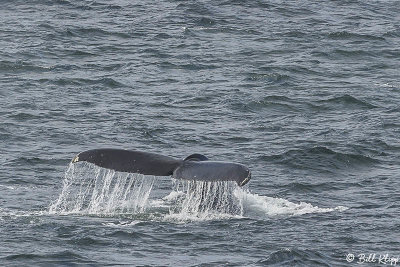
{"x": 305, "y": 93}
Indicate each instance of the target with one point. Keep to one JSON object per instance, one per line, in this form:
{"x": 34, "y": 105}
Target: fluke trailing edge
{"x": 194, "y": 167}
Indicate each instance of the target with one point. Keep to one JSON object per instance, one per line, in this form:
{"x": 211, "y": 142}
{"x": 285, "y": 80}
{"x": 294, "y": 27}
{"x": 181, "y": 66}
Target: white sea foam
{"x": 10, "y": 213}
{"x": 8, "y": 187}
{"x": 121, "y": 224}
{"x": 257, "y": 206}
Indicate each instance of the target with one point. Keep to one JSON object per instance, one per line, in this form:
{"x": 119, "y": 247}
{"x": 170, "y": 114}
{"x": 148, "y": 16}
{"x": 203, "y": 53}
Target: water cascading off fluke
{"x": 93, "y": 190}
{"x": 204, "y": 199}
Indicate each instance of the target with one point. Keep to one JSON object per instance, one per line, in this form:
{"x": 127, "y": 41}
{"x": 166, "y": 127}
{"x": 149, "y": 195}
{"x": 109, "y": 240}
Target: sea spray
{"x": 93, "y": 190}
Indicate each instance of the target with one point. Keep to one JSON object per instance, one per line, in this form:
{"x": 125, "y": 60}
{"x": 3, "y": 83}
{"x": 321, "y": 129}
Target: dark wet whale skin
{"x": 194, "y": 167}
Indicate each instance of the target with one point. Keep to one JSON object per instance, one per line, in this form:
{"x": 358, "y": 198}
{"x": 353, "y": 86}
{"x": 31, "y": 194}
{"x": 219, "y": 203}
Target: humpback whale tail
{"x": 194, "y": 167}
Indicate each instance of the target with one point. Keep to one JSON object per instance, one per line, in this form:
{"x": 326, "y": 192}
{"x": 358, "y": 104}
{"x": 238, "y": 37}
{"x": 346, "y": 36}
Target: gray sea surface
{"x": 304, "y": 93}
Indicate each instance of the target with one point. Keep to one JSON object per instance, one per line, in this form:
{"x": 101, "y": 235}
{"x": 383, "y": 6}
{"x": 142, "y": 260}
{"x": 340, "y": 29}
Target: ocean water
{"x": 305, "y": 93}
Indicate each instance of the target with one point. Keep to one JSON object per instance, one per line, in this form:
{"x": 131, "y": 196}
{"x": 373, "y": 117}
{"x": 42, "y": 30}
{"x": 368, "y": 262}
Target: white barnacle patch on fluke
{"x": 246, "y": 179}
{"x": 75, "y": 159}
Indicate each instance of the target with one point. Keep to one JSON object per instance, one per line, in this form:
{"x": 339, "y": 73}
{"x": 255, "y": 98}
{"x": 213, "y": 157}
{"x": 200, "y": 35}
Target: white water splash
{"x": 89, "y": 189}
{"x": 256, "y": 206}
{"x": 199, "y": 200}
{"x": 93, "y": 190}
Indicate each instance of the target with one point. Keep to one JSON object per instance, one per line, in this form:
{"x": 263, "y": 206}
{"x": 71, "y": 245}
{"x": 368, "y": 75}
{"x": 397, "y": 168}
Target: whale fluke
{"x": 196, "y": 157}
{"x": 130, "y": 161}
{"x": 212, "y": 171}
{"x": 194, "y": 167}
